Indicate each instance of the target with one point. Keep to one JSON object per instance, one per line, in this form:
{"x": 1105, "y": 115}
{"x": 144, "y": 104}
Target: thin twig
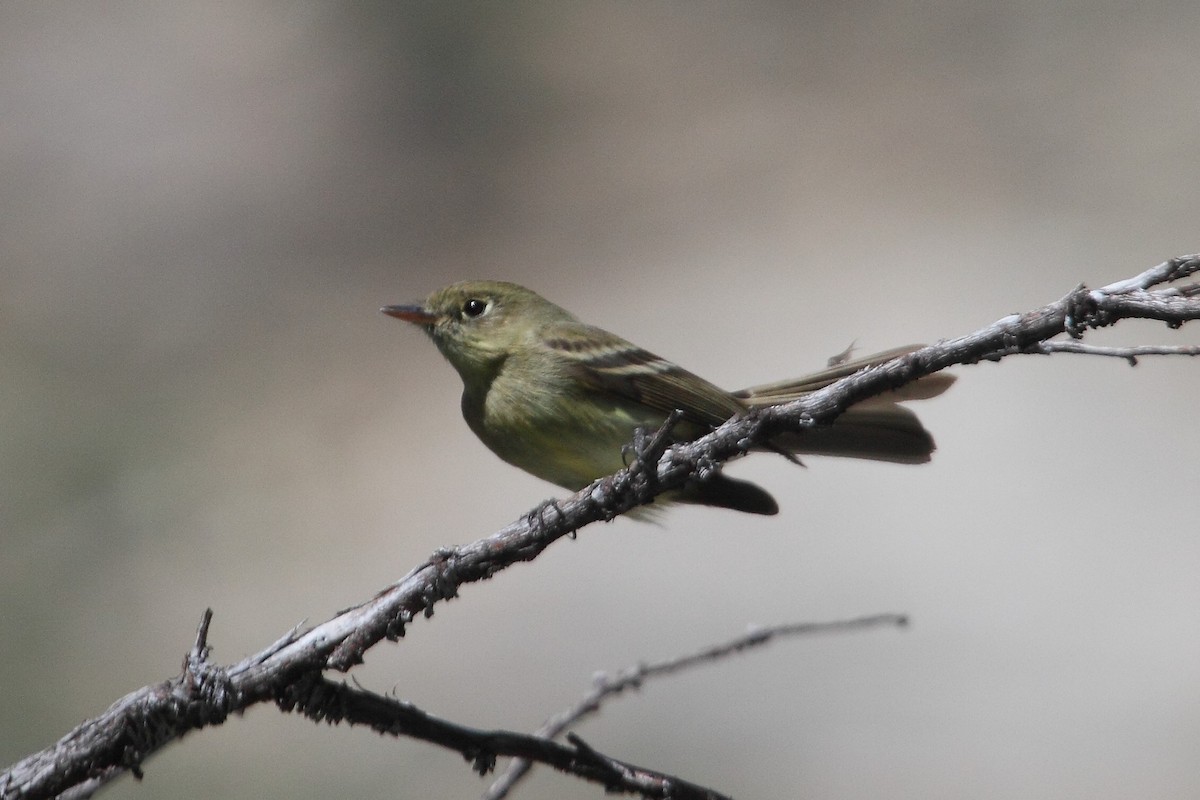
{"x": 605, "y": 686}
{"x": 1130, "y": 354}
{"x": 324, "y": 700}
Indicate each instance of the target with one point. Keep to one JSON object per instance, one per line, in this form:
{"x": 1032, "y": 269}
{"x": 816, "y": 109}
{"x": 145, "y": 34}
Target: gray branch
{"x": 323, "y": 700}
{"x": 1130, "y": 354}
{"x": 605, "y": 686}
{"x": 139, "y": 724}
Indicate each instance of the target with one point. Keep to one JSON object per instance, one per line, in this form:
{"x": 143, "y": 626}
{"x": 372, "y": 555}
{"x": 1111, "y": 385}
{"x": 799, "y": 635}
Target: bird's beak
{"x": 417, "y": 315}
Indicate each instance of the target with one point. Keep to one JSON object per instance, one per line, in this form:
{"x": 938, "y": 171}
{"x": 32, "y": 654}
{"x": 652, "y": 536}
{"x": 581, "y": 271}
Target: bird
{"x": 561, "y": 399}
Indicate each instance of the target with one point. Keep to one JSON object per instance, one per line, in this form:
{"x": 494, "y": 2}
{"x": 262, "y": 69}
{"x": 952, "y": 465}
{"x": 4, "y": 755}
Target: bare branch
{"x": 1130, "y": 354}
{"x": 1167, "y": 272}
{"x": 327, "y": 701}
{"x": 605, "y": 686}
{"x": 139, "y": 724}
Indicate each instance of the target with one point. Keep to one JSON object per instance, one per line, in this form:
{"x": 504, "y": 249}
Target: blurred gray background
{"x": 203, "y": 206}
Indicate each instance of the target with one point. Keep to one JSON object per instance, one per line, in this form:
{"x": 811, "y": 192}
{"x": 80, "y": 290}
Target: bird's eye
{"x": 474, "y": 307}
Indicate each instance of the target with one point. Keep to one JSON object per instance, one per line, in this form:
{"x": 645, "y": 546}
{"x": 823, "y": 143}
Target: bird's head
{"x": 478, "y": 324}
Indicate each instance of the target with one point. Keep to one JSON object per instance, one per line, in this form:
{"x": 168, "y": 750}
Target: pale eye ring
{"x": 474, "y": 307}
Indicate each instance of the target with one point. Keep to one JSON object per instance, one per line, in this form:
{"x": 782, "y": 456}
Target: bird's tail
{"x": 877, "y": 429}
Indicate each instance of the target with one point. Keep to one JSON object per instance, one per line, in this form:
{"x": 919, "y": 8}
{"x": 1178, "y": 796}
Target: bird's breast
{"x": 560, "y": 432}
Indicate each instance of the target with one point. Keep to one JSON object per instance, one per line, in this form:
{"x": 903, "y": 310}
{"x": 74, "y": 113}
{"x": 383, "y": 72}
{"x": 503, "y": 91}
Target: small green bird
{"x": 560, "y": 399}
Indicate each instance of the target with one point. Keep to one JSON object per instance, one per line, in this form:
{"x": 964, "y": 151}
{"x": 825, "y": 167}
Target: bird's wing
{"x": 785, "y": 391}
{"x": 608, "y": 363}
{"x": 876, "y": 429}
